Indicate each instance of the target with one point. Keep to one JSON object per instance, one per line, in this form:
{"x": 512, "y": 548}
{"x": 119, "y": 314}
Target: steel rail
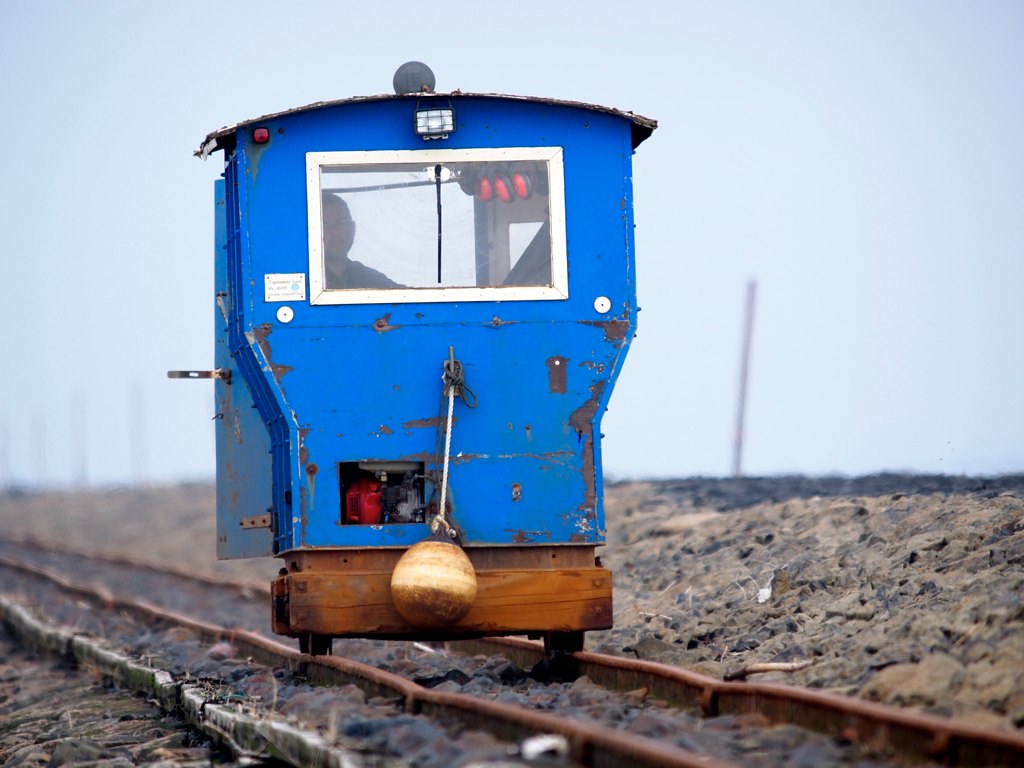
{"x": 111, "y": 558}
{"x": 590, "y": 744}
{"x": 878, "y": 727}
{"x": 247, "y": 737}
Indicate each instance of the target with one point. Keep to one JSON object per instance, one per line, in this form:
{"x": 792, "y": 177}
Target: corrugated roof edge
{"x": 642, "y": 126}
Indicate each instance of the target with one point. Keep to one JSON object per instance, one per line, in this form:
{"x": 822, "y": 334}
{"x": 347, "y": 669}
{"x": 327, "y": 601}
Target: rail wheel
{"x": 563, "y": 642}
{"x": 316, "y": 645}
{"x": 559, "y": 664}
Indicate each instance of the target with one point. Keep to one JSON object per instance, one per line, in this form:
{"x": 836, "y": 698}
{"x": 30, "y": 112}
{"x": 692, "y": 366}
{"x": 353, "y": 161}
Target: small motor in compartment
{"x": 383, "y": 492}
{"x": 363, "y": 502}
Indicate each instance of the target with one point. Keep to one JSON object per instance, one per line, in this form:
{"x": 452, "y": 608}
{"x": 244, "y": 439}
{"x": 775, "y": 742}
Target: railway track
{"x": 666, "y": 716}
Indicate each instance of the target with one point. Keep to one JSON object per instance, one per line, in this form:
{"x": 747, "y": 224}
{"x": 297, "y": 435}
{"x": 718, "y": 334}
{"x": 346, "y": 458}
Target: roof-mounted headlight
{"x": 434, "y": 120}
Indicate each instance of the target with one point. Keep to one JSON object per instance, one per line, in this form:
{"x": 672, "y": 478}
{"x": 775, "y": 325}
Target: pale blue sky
{"x": 864, "y": 161}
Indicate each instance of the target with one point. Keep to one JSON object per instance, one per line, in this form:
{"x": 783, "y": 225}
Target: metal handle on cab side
{"x": 216, "y": 373}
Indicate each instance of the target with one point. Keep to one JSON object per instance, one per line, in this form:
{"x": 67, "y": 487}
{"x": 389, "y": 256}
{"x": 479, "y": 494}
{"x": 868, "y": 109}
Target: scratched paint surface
{"x": 363, "y": 382}
{"x": 243, "y": 445}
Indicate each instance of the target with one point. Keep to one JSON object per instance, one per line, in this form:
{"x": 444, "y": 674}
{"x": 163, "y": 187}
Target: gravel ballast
{"x": 902, "y": 589}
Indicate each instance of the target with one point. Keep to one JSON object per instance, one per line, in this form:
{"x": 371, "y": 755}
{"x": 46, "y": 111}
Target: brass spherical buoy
{"x": 433, "y": 584}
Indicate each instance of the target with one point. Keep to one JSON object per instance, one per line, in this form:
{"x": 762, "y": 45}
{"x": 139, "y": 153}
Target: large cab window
{"x": 436, "y": 225}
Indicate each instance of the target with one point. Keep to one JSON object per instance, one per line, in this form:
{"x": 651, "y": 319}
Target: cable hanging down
{"x": 454, "y": 384}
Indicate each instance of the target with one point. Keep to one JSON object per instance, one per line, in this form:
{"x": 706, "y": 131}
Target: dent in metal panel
{"x": 582, "y": 420}
{"x": 383, "y": 324}
{"x": 432, "y": 423}
{"x": 259, "y": 336}
{"x": 528, "y": 537}
{"x": 614, "y": 330}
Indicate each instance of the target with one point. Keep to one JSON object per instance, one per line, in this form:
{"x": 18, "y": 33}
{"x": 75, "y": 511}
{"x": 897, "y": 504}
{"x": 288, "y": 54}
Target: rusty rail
{"x": 589, "y": 744}
{"x": 878, "y": 727}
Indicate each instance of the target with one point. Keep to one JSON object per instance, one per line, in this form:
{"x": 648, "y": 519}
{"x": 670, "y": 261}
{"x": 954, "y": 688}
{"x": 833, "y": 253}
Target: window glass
{"x": 420, "y": 223}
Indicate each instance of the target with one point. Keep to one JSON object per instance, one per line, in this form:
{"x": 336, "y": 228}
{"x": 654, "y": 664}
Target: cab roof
{"x": 224, "y": 138}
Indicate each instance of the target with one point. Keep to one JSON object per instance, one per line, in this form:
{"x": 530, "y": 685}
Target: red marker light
{"x": 503, "y": 188}
{"x": 521, "y": 185}
{"x": 260, "y": 135}
{"x": 484, "y": 189}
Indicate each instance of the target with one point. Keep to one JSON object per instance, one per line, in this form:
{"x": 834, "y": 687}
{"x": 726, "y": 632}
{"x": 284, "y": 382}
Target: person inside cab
{"x": 341, "y": 272}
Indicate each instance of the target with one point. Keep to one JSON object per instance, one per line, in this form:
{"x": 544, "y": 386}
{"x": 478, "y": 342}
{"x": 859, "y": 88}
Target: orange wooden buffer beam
{"x": 508, "y": 602}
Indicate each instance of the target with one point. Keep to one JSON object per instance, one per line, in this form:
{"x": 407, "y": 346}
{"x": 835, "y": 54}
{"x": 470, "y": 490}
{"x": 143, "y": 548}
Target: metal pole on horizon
{"x": 741, "y": 408}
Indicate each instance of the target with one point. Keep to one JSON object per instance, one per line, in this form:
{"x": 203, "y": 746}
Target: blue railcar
{"x": 380, "y": 260}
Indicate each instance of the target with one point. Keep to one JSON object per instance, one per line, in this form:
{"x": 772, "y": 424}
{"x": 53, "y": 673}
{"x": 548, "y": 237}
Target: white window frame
{"x": 559, "y": 288}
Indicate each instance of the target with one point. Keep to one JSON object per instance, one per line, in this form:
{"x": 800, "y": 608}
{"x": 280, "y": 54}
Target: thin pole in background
{"x": 79, "y": 440}
{"x": 5, "y": 458}
{"x": 39, "y": 441}
{"x": 741, "y": 408}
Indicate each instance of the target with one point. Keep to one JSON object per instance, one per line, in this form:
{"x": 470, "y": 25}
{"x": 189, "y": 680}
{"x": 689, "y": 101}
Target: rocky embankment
{"x": 903, "y": 589}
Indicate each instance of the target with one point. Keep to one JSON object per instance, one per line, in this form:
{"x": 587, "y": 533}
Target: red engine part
{"x": 362, "y": 502}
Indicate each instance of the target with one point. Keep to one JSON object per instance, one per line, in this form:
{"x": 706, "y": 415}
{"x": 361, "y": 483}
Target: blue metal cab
{"x": 380, "y": 261}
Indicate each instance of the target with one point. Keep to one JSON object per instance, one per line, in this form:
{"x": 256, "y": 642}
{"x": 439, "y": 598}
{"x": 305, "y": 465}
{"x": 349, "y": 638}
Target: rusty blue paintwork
{"x": 345, "y": 383}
